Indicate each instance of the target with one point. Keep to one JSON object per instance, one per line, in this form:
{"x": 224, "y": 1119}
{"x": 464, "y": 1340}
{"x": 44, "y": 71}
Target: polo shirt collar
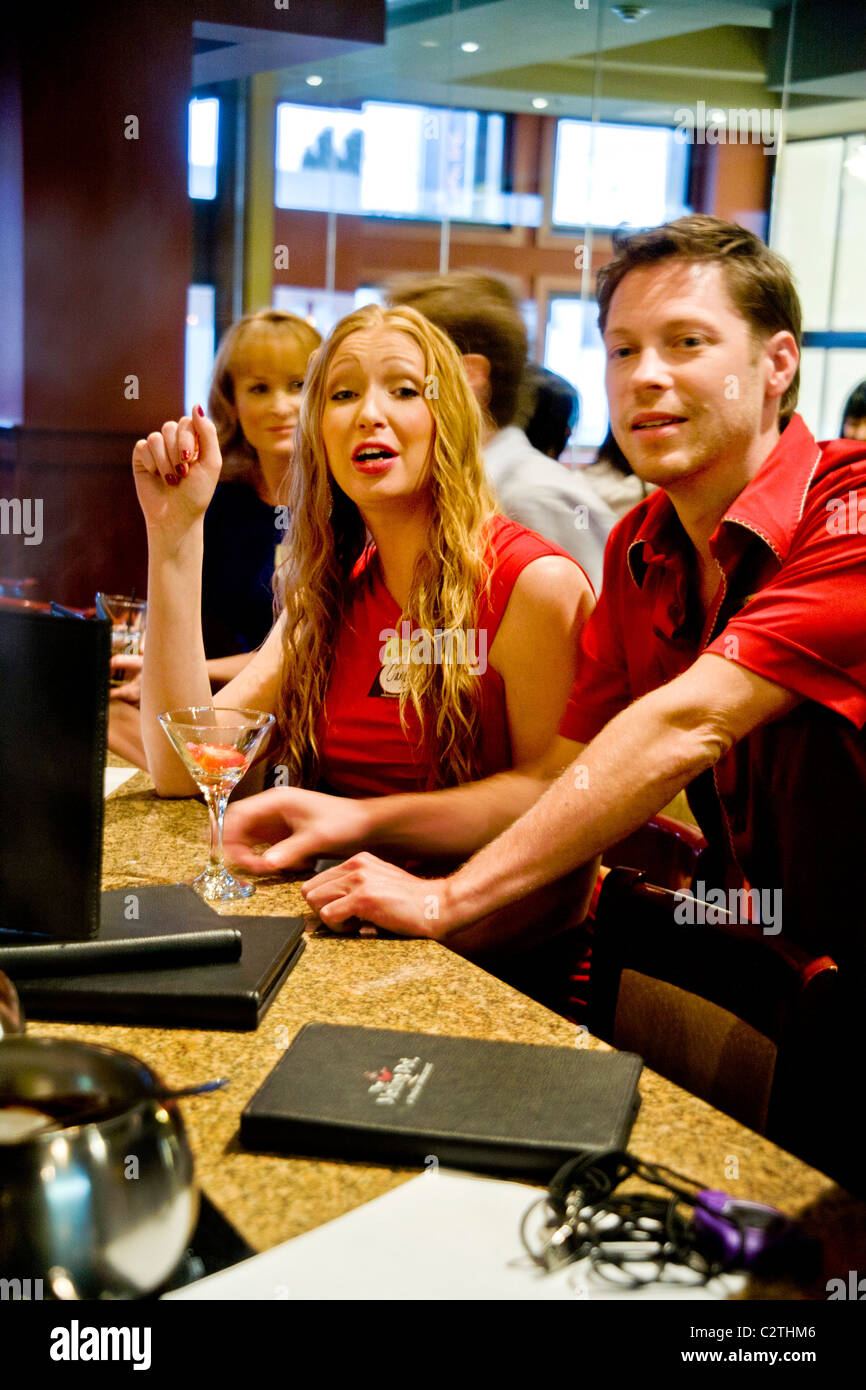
{"x": 770, "y": 506}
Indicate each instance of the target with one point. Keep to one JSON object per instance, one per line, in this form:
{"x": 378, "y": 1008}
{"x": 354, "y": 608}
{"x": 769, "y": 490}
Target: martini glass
{"x": 216, "y": 747}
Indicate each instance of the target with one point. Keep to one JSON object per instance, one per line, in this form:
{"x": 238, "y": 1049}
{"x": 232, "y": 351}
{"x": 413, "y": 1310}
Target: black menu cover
{"x": 396, "y": 1098}
{"x": 233, "y": 995}
{"x": 53, "y": 717}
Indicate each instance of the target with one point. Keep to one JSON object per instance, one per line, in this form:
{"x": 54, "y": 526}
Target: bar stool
{"x": 737, "y": 1017}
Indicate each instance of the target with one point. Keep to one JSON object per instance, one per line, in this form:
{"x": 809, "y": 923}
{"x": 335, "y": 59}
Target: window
{"x": 203, "y": 146}
{"x": 573, "y": 348}
{"x": 819, "y": 211}
{"x": 827, "y": 378}
{"x": 318, "y": 158}
{"x": 322, "y": 308}
{"x": 607, "y": 175}
{"x": 396, "y": 160}
{"x": 200, "y": 345}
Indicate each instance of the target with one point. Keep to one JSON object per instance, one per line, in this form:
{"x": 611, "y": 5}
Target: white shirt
{"x": 619, "y": 490}
{"x": 547, "y": 497}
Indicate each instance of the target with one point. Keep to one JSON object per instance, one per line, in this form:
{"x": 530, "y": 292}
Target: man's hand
{"x": 367, "y": 889}
{"x": 319, "y": 826}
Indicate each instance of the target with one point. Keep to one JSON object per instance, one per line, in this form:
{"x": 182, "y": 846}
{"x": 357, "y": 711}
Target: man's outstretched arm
{"x": 633, "y": 768}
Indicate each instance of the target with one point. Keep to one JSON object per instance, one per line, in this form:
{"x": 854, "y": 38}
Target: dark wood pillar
{"x": 104, "y": 229}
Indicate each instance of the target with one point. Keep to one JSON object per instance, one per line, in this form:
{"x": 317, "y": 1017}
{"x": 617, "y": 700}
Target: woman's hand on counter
{"x": 368, "y": 890}
{"x": 319, "y": 826}
{"x": 131, "y": 689}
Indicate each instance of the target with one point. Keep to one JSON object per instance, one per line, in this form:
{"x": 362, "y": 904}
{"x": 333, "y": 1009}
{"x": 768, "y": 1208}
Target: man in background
{"x": 479, "y": 313}
{"x": 854, "y": 414}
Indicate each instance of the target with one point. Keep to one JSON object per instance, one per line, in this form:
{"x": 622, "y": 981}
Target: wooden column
{"x": 104, "y": 235}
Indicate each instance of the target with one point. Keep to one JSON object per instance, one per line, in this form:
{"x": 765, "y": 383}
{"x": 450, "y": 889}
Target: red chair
{"x": 735, "y": 1016}
{"x": 667, "y": 850}
{"x": 557, "y": 972}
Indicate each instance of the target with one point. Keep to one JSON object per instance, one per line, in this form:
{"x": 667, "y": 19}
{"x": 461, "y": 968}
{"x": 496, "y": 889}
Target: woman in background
{"x": 254, "y": 401}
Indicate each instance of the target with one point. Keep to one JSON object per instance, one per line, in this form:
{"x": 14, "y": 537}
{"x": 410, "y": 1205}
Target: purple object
{"x": 743, "y": 1233}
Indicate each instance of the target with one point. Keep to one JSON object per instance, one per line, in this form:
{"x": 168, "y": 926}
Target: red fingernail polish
{"x": 198, "y": 410}
{"x": 183, "y": 469}
{"x": 171, "y": 480}
{"x": 185, "y": 456}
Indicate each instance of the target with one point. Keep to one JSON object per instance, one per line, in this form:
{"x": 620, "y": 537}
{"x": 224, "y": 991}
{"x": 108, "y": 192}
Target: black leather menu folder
{"x": 398, "y": 1098}
{"x": 53, "y": 716}
{"x": 232, "y": 995}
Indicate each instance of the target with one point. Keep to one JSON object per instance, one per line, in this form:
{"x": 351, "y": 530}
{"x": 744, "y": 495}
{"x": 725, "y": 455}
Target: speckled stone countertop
{"x": 413, "y": 985}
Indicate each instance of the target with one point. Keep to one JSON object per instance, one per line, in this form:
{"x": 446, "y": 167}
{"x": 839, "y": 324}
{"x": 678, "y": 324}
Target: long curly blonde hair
{"x": 327, "y": 536}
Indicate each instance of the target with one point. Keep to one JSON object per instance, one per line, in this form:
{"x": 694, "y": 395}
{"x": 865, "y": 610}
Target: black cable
{"x": 590, "y": 1221}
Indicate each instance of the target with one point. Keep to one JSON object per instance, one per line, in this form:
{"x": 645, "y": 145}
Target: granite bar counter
{"x": 413, "y": 985}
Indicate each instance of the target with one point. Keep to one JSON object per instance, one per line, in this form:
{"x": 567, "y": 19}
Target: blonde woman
{"x": 254, "y": 401}
{"x": 424, "y": 641}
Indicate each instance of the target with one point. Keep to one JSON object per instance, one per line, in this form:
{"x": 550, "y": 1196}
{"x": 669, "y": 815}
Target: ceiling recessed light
{"x": 470, "y": 47}
{"x": 429, "y": 43}
{"x": 630, "y": 14}
{"x": 540, "y": 102}
{"x": 717, "y": 117}
{"x": 314, "y": 81}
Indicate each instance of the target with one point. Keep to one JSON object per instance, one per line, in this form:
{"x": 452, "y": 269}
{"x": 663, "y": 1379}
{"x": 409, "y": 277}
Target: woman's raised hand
{"x": 176, "y": 472}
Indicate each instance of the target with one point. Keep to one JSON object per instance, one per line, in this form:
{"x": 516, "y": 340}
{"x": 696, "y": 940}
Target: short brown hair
{"x": 479, "y": 313}
{"x": 759, "y": 282}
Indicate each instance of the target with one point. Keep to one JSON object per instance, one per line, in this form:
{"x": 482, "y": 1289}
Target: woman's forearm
{"x": 174, "y": 674}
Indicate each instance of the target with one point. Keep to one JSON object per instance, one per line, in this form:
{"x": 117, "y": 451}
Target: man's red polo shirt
{"x": 787, "y": 807}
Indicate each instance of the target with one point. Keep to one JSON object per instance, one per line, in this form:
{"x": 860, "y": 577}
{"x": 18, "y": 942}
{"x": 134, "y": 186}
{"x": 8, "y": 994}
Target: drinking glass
{"x": 128, "y": 618}
{"x": 216, "y": 747}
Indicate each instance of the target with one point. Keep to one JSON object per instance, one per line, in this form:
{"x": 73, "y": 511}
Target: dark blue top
{"x": 240, "y": 537}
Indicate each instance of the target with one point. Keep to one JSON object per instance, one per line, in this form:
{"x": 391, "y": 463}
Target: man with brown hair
{"x": 727, "y": 653}
{"x": 479, "y": 314}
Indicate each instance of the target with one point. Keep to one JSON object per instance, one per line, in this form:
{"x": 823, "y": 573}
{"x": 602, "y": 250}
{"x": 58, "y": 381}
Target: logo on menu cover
{"x": 400, "y": 1084}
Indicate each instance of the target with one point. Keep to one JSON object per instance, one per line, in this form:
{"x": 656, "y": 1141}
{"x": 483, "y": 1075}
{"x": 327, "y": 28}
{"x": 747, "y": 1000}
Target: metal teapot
{"x": 101, "y": 1208}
